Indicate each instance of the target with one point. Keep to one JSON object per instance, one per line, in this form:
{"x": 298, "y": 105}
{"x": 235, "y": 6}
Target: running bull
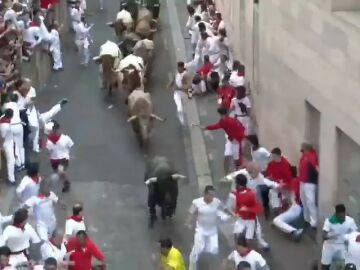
{"x": 162, "y": 181}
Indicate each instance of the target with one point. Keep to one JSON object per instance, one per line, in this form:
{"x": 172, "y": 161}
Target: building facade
{"x": 302, "y": 62}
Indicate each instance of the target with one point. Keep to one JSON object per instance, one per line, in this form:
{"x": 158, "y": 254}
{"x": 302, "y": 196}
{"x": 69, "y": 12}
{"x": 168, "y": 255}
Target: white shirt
{"x": 44, "y": 32}
{"x": 72, "y": 227}
{"x": 195, "y": 37}
{"x": 239, "y": 115}
{"x": 207, "y": 215}
{"x": 27, "y": 188}
{"x": 352, "y": 254}
{"x": 81, "y": 31}
{"x": 236, "y": 80}
{"x": 43, "y": 208}
{"x": 7, "y": 134}
{"x": 17, "y": 239}
{"x": 261, "y": 157}
{"x": 236, "y": 107}
{"x": 190, "y": 24}
{"x": 45, "y": 118}
{"x": 125, "y": 16}
{"x": 254, "y": 258}
{"x": 178, "y": 80}
{"x": 260, "y": 179}
{"x": 54, "y": 39}
{"x": 75, "y": 16}
{"x": 252, "y": 184}
{"x": 3, "y": 221}
{"x": 49, "y": 250}
{"x": 24, "y": 101}
{"x": 213, "y": 45}
{"x": 15, "y": 108}
{"x": 61, "y": 149}
{"x": 339, "y": 230}
{"x": 11, "y": 15}
{"x": 32, "y": 35}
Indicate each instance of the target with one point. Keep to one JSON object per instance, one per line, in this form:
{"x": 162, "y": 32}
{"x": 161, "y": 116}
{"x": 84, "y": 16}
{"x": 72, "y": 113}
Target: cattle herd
{"x": 126, "y": 65}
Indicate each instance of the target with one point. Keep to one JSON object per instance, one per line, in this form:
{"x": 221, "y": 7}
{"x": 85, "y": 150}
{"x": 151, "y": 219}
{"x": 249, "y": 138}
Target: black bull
{"x": 162, "y": 181}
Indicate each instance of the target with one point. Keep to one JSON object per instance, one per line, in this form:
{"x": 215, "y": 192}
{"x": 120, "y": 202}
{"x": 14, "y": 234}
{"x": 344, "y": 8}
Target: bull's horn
{"x": 132, "y": 118}
{"x": 157, "y": 117}
{"x": 96, "y": 58}
{"x": 178, "y": 176}
{"x": 151, "y": 180}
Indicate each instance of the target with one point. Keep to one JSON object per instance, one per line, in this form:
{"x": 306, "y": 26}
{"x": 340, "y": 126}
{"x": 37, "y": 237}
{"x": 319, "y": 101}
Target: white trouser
{"x": 74, "y": 24}
{"x": 203, "y": 243}
{"x": 199, "y": 88}
{"x": 178, "y": 98}
{"x": 10, "y": 161}
{"x": 260, "y": 235}
{"x": 193, "y": 47}
{"x": 332, "y": 252}
{"x": 34, "y": 131}
{"x": 246, "y": 226}
{"x": 308, "y": 197}
{"x": 45, "y": 230}
{"x": 56, "y": 55}
{"x": 282, "y": 221}
{"x": 84, "y": 51}
{"x": 34, "y": 127}
{"x": 17, "y": 259}
{"x": 18, "y": 132}
{"x": 232, "y": 149}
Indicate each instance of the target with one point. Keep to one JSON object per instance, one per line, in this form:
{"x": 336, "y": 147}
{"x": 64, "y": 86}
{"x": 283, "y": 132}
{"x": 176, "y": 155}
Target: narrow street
{"x": 107, "y": 171}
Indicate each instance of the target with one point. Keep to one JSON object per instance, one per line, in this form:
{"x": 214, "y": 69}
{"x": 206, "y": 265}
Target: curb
{"x": 199, "y": 153}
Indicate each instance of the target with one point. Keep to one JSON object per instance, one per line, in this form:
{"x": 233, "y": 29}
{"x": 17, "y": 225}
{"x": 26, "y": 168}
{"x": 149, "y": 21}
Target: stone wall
{"x": 305, "y": 53}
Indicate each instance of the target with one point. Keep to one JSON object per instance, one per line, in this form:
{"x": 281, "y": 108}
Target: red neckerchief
{"x": 19, "y": 226}
{"x": 357, "y": 238}
{"x": 245, "y": 253}
{"x": 240, "y": 74}
{"x": 54, "y": 137}
{"x": 33, "y": 23}
{"x": 35, "y": 179}
{"x": 76, "y": 218}
{"x": 4, "y": 120}
{"x": 42, "y": 196}
{"x": 242, "y": 189}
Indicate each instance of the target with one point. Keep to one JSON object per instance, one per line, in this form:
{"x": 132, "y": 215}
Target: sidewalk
{"x": 285, "y": 254}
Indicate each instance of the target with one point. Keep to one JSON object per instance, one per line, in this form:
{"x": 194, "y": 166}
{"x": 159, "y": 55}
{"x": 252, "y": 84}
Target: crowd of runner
{"x": 25, "y": 132}
{"x": 263, "y": 182}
